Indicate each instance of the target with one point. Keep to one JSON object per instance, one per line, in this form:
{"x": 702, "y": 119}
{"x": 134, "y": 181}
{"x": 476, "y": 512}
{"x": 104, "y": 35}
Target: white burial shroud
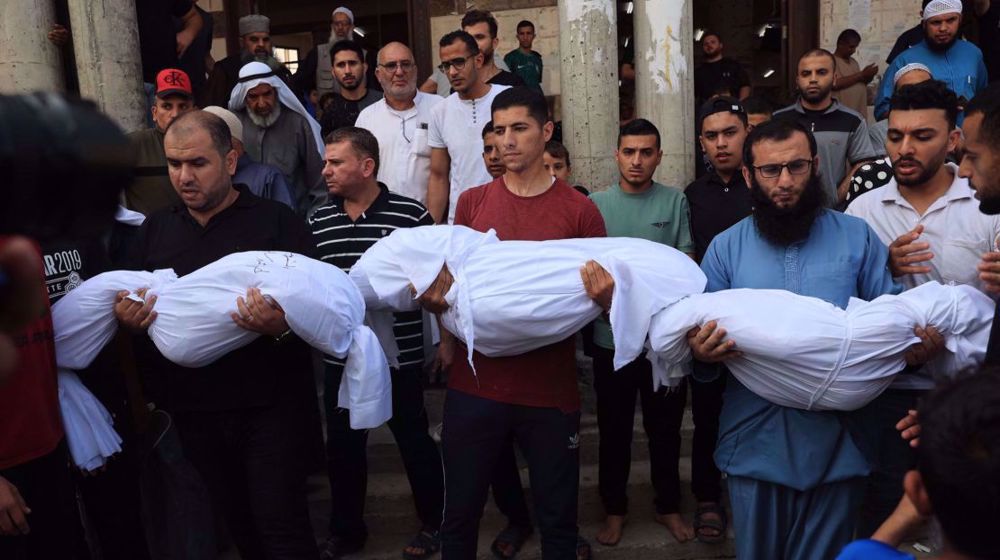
{"x": 90, "y": 432}
{"x": 193, "y": 327}
{"x": 510, "y": 297}
{"x": 805, "y": 353}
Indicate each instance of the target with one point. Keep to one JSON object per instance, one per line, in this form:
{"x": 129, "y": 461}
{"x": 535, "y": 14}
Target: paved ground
{"x": 392, "y": 521}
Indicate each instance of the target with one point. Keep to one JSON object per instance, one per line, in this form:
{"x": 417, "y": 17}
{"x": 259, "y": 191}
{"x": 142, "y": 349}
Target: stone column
{"x": 106, "y": 43}
{"x": 664, "y": 83}
{"x": 28, "y": 61}
{"x": 588, "y": 47}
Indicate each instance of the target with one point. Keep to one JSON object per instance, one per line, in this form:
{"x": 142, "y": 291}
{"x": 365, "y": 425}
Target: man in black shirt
{"x": 483, "y": 28}
{"x": 718, "y": 199}
{"x": 360, "y": 211}
{"x": 244, "y": 420}
{"x": 349, "y": 70}
{"x": 718, "y": 74}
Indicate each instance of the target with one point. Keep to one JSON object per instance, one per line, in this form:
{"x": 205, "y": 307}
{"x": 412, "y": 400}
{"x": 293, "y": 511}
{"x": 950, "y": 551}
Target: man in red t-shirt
{"x": 37, "y": 504}
{"x": 531, "y": 398}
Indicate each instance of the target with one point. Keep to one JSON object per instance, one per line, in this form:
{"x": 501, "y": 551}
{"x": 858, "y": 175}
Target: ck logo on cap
{"x": 174, "y": 78}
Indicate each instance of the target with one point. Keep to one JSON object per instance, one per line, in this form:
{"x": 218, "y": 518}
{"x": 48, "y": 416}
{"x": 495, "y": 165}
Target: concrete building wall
{"x": 546, "y": 20}
{"x": 879, "y": 22}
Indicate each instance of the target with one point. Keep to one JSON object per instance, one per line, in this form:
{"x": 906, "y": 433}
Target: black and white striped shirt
{"x": 341, "y": 241}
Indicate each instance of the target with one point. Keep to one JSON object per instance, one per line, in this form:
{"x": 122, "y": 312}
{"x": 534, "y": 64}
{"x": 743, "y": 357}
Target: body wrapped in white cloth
{"x": 510, "y": 297}
{"x": 803, "y": 352}
{"x": 193, "y": 327}
{"x": 90, "y": 432}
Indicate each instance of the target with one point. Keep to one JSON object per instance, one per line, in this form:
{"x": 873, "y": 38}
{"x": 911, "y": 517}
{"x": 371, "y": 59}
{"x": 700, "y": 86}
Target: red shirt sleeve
{"x": 591, "y": 221}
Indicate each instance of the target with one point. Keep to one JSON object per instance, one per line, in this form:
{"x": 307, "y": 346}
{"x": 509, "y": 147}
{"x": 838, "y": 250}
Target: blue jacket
{"x": 961, "y": 67}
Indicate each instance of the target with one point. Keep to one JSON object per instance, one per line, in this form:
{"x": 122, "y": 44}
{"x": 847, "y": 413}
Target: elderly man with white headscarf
{"x": 954, "y": 61}
{"x": 278, "y": 131}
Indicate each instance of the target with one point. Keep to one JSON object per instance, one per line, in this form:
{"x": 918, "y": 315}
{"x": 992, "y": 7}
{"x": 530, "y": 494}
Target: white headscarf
{"x": 910, "y": 68}
{"x": 255, "y": 73}
{"x": 938, "y": 7}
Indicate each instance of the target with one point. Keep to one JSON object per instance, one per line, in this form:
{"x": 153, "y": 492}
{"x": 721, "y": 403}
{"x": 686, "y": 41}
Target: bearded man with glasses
{"x": 400, "y": 122}
{"x": 796, "y": 477}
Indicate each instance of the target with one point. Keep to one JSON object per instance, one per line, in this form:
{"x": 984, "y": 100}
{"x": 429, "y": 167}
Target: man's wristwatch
{"x": 283, "y": 335}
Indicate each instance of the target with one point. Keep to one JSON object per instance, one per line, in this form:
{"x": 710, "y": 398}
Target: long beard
{"x": 784, "y": 226}
{"x": 266, "y": 121}
{"x": 334, "y": 38}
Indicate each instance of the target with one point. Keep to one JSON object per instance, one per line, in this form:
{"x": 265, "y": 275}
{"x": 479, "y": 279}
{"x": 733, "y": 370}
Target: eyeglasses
{"x": 796, "y": 167}
{"x": 458, "y": 63}
{"x": 404, "y": 65}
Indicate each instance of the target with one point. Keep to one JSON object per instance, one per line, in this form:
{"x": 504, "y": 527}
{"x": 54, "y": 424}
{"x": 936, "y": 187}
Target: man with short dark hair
{"x": 491, "y": 153}
{"x": 954, "y": 61}
{"x": 850, "y": 80}
{"x": 315, "y": 71}
{"x": 483, "y": 27}
{"x": 928, "y": 217}
{"x": 841, "y": 134}
{"x": 349, "y": 70}
{"x": 151, "y": 189}
{"x": 245, "y": 419}
{"x": 277, "y": 131}
{"x": 360, "y": 211}
{"x": 795, "y": 477}
{"x": 532, "y": 397}
{"x": 758, "y": 111}
{"x": 981, "y": 166}
{"x": 455, "y": 131}
{"x": 718, "y": 200}
{"x": 523, "y": 61}
{"x": 717, "y": 73}
{"x": 637, "y": 206}
{"x": 955, "y": 476}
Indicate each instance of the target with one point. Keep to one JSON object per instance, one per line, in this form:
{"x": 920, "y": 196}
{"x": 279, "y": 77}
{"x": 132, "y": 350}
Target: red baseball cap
{"x": 172, "y": 81}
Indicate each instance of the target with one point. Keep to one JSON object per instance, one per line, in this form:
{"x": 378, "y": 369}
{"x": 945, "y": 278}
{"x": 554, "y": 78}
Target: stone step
{"x": 390, "y": 500}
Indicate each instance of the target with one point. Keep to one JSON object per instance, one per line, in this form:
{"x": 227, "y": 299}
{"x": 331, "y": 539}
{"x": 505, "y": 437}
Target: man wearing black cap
{"x": 151, "y": 190}
{"x": 718, "y": 199}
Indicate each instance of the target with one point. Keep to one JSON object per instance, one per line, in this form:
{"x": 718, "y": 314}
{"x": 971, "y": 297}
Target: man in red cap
{"x": 151, "y": 190}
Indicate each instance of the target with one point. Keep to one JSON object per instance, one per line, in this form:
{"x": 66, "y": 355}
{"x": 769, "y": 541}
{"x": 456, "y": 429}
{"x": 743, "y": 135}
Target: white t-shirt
{"x": 457, "y": 125}
{"x": 958, "y": 234}
{"x": 403, "y": 152}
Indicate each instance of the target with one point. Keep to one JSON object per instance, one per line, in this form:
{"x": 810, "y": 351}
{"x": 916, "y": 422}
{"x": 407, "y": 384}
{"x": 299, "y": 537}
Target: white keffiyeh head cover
{"x": 255, "y": 73}
{"x": 938, "y": 7}
{"x": 910, "y": 68}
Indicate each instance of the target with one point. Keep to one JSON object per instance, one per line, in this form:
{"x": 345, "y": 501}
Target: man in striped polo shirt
{"x": 359, "y": 212}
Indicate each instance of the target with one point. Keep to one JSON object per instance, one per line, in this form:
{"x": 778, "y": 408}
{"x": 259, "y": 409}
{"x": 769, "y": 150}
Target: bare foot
{"x": 611, "y": 533}
{"x": 680, "y": 529}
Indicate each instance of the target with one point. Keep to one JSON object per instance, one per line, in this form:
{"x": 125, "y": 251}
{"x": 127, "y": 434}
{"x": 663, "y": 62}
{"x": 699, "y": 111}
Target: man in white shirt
{"x": 931, "y": 221}
{"x": 455, "y": 133}
{"x": 400, "y": 122}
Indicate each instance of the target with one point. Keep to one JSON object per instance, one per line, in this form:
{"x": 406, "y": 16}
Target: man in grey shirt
{"x": 277, "y": 131}
{"x": 841, "y": 134}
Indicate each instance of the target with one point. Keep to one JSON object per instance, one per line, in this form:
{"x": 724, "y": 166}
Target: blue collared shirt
{"x": 842, "y": 258}
{"x": 961, "y": 67}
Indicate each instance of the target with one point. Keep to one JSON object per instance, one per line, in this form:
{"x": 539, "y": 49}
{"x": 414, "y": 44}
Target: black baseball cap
{"x": 721, "y": 104}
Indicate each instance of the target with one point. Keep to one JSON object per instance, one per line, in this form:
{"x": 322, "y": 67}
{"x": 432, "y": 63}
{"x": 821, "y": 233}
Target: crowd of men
{"x": 808, "y": 198}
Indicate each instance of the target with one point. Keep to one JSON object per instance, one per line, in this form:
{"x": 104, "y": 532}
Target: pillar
{"x": 588, "y": 47}
{"x": 106, "y": 43}
{"x": 28, "y": 61}
{"x": 664, "y": 83}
